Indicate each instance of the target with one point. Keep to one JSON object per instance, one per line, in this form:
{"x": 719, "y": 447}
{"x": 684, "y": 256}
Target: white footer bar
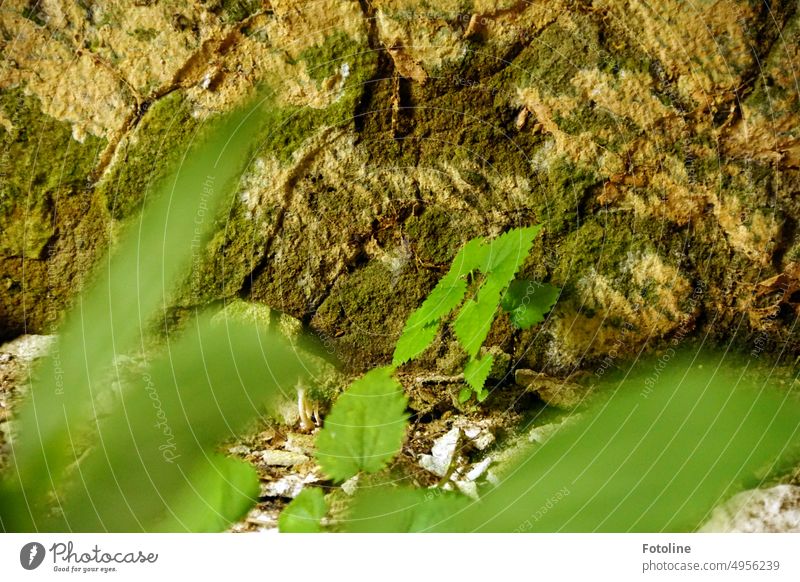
{"x": 463, "y": 557}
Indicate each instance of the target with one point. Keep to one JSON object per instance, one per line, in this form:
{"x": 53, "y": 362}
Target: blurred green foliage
{"x": 664, "y": 443}
{"x": 304, "y": 514}
{"x": 117, "y": 436}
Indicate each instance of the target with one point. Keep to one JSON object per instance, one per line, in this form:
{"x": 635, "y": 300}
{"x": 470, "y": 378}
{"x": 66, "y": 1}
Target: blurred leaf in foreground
{"x": 402, "y": 509}
{"x": 149, "y": 465}
{"x": 676, "y": 437}
{"x": 221, "y": 491}
{"x": 152, "y": 463}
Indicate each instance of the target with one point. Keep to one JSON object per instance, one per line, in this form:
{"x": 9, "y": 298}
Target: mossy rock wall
{"x": 659, "y": 147}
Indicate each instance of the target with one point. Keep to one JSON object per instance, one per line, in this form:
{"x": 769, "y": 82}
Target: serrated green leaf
{"x": 365, "y": 428}
{"x": 468, "y": 259}
{"x": 475, "y": 318}
{"x": 464, "y": 395}
{"x": 507, "y": 252}
{"x": 445, "y": 297}
{"x": 477, "y": 371}
{"x": 413, "y": 342}
{"x": 499, "y": 260}
{"x": 304, "y": 513}
{"x": 527, "y": 302}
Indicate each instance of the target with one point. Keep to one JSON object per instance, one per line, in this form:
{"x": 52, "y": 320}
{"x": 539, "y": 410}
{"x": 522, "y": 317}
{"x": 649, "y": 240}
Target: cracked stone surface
{"x": 659, "y": 146}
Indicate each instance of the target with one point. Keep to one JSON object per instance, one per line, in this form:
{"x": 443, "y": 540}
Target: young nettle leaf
{"x": 421, "y": 328}
{"x": 469, "y": 258}
{"x": 507, "y": 252}
{"x": 464, "y": 394}
{"x": 304, "y": 513}
{"x": 527, "y": 302}
{"x": 413, "y": 342}
{"x": 445, "y": 297}
{"x": 365, "y": 427}
{"x": 475, "y": 318}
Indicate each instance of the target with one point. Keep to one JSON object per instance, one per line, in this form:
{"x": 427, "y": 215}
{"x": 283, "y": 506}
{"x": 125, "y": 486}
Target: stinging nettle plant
{"x": 366, "y": 426}
{"x": 480, "y": 279}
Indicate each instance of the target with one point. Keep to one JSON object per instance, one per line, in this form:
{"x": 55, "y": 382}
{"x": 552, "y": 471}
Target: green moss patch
{"x": 287, "y": 127}
{"x": 436, "y": 236}
{"x": 39, "y": 160}
{"x": 366, "y": 311}
{"x": 238, "y": 10}
{"x": 158, "y": 143}
{"x": 326, "y": 60}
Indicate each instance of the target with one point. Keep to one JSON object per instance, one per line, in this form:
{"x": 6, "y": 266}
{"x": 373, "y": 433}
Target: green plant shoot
{"x": 497, "y": 261}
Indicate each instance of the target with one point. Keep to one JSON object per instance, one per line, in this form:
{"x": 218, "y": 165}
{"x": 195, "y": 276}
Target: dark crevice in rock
{"x": 769, "y": 34}
{"x": 788, "y": 235}
{"x": 383, "y": 69}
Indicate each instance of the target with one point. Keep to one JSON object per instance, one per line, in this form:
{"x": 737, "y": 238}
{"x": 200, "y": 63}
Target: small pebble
{"x": 283, "y": 458}
{"x": 479, "y": 469}
{"x": 350, "y": 486}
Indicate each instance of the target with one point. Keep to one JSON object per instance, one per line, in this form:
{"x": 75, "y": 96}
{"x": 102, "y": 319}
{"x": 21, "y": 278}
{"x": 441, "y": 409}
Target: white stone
{"x": 472, "y": 432}
{"x": 775, "y": 510}
{"x": 479, "y": 469}
{"x": 438, "y": 462}
{"x": 350, "y": 486}
{"x": 29, "y": 347}
{"x": 484, "y": 439}
{"x": 468, "y": 488}
{"x": 289, "y": 486}
{"x": 239, "y": 450}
